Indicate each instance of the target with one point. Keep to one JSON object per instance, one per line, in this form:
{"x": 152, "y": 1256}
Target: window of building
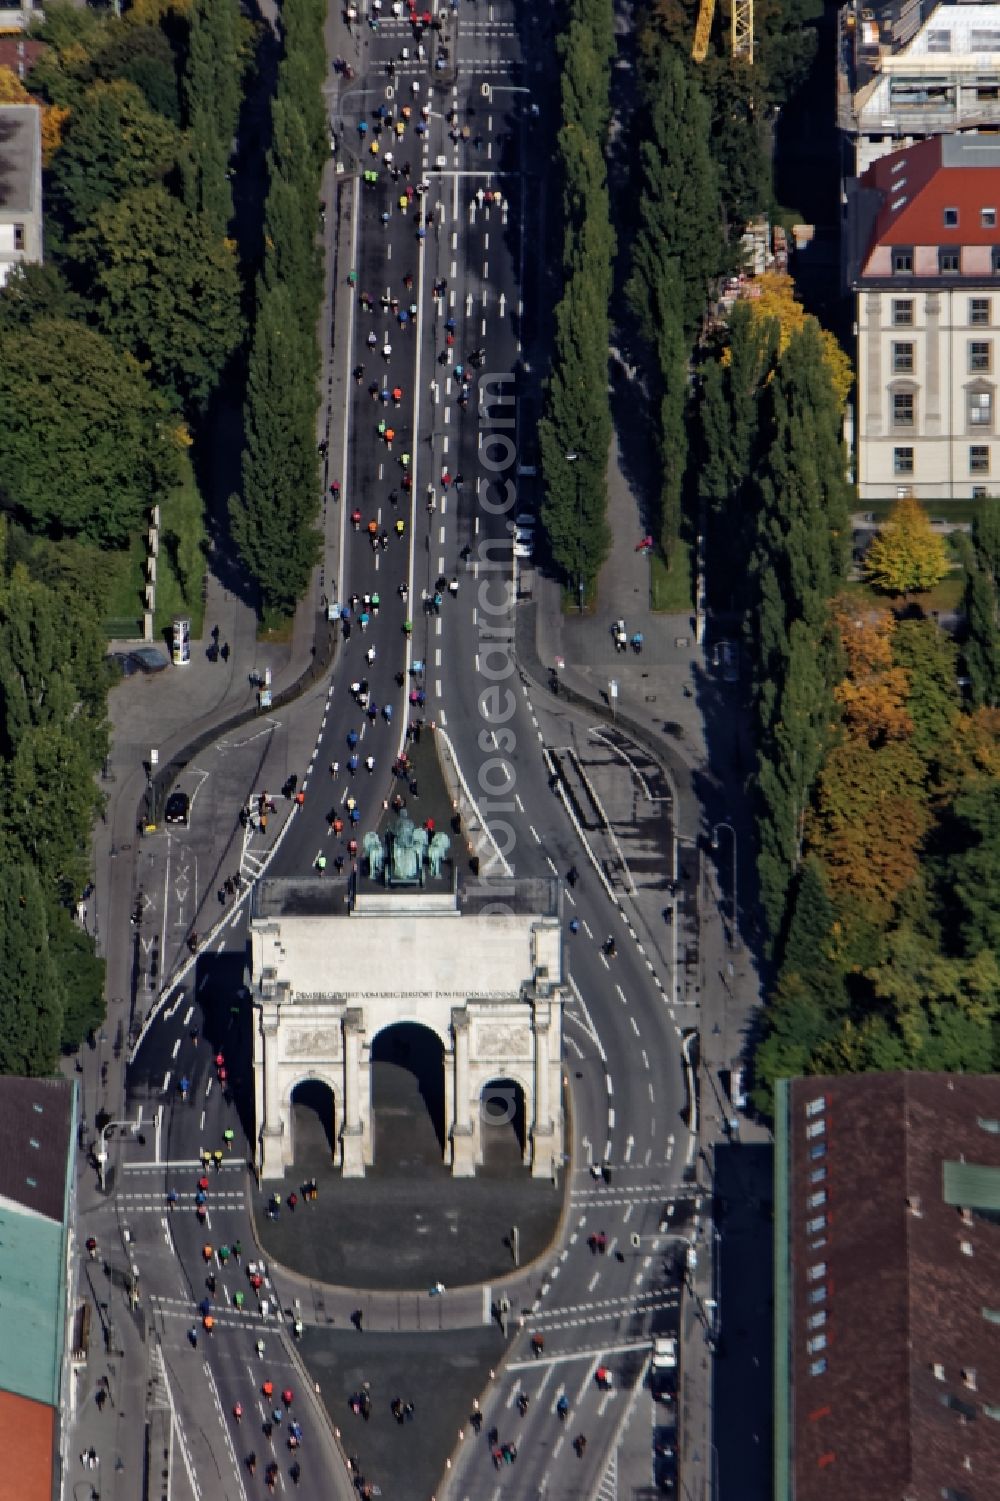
{"x": 816, "y": 1106}
{"x": 938, "y": 1369}
{"x": 902, "y": 461}
{"x": 949, "y": 261}
{"x": 814, "y": 1226}
{"x": 980, "y": 356}
{"x": 18, "y": 236}
{"x": 951, "y": 218}
{"x": 967, "y": 1248}
{"x": 818, "y": 1151}
{"x": 817, "y": 1343}
{"x": 816, "y": 1128}
{"x": 902, "y": 358}
{"x": 816, "y": 1320}
{"x": 817, "y": 1175}
{"x": 988, "y": 218}
{"x": 817, "y": 1294}
{"x": 816, "y": 1271}
{"x": 980, "y": 406}
{"x": 979, "y": 312}
{"x": 818, "y": 1199}
{"x": 983, "y": 40}
{"x": 939, "y": 41}
{"x": 902, "y": 409}
{"x": 989, "y": 1411}
{"x": 979, "y": 459}
{"x": 995, "y": 260}
{"x": 978, "y": 493}
{"x": 817, "y": 1367}
{"x": 985, "y": 1123}
{"x": 969, "y": 1378}
{"x": 899, "y": 165}
{"x": 902, "y": 312}
{"x": 902, "y": 260}
{"x": 817, "y": 1245}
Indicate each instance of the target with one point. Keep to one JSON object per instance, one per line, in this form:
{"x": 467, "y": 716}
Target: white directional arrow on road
{"x": 503, "y": 304}
{"x": 628, "y": 1148}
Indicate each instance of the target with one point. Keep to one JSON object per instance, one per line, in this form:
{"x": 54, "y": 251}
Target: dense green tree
{"x": 575, "y": 433}
{"x": 739, "y": 139}
{"x": 679, "y": 209}
{"x": 729, "y": 439}
{"x": 50, "y": 800}
{"x": 36, "y": 291}
{"x": 273, "y": 520}
{"x": 51, "y": 659}
{"x": 982, "y": 605}
{"x": 81, "y": 975}
{"x": 799, "y": 556}
{"x": 165, "y": 289}
{"x": 31, "y": 1012}
{"x": 798, "y": 1023}
{"x": 811, "y": 940}
{"x": 585, "y": 102}
{"x": 67, "y": 393}
{"x": 291, "y": 255}
{"x": 973, "y": 868}
{"x": 788, "y": 762}
{"x": 143, "y": 55}
{"x": 114, "y": 143}
{"x": 212, "y": 69}
{"x": 929, "y": 657}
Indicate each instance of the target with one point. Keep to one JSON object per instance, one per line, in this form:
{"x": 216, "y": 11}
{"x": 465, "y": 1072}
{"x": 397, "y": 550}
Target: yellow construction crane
{"x": 742, "y": 30}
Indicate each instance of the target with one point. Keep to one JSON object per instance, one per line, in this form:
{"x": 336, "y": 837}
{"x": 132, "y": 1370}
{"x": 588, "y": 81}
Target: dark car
{"x": 177, "y": 809}
{"x": 149, "y": 659}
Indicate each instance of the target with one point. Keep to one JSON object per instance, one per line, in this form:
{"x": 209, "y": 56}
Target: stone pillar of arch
{"x": 273, "y": 1127}
{"x": 545, "y": 1138}
{"x": 355, "y": 1137}
{"x": 458, "y": 1111}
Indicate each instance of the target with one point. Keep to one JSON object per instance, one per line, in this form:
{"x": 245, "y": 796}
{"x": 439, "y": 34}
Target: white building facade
{"x": 485, "y": 977}
{"x": 925, "y": 224}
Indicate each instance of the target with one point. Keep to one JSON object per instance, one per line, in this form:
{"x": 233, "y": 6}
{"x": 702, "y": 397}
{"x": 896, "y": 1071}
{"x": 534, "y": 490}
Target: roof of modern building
{"x": 888, "y": 1289}
{"x": 20, "y": 158}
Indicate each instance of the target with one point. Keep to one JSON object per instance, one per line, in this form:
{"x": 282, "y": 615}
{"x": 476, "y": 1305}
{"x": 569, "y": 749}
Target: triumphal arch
{"x": 334, "y": 966}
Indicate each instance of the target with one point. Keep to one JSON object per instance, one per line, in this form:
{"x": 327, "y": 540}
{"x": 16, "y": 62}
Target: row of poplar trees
{"x": 274, "y": 517}
{"x": 575, "y": 429}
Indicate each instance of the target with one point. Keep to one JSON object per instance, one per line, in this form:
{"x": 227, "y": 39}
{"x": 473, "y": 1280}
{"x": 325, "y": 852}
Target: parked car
{"x": 178, "y": 808}
{"x": 149, "y": 659}
{"x": 524, "y": 545}
{"x": 663, "y": 1372}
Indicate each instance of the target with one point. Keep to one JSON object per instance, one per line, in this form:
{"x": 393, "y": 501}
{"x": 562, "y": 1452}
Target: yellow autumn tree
{"x": 874, "y": 692}
{"x": 907, "y": 556}
{"x": 773, "y": 298}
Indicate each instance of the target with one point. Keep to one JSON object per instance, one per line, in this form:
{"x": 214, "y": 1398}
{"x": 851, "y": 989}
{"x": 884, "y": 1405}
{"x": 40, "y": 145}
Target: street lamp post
{"x": 734, "y": 929}
{"x": 102, "y": 1149}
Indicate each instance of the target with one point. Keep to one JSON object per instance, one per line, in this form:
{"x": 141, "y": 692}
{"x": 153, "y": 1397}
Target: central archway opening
{"x": 314, "y": 1126}
{"x": 502, "y": 1126}
{"x": 407, "y": 1071}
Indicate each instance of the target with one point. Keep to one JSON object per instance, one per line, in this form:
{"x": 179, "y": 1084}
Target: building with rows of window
{"x": 887, "y": 1288}
{"x": 923, "y": 251}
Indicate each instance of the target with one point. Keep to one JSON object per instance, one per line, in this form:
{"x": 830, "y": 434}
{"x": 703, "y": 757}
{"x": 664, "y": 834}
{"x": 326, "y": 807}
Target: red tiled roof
{"x": 27, "y": 1471}
{"x": 919, "y": 185}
